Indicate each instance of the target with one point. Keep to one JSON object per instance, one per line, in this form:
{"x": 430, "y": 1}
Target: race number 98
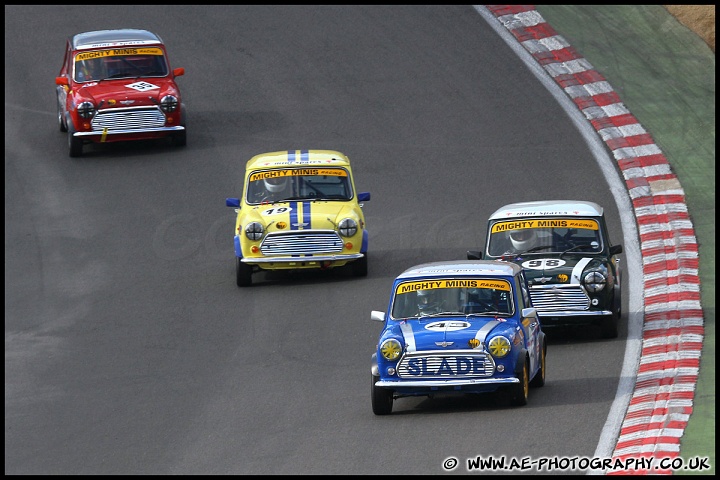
{"x": 543, "y": 264}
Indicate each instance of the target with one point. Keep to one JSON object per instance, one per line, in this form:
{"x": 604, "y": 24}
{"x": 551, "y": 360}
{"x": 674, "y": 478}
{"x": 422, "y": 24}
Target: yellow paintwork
{"x": 298, "y": 215}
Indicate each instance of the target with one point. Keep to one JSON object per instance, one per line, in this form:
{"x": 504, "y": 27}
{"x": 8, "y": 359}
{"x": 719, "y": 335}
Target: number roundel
{"x": 543, "y": 264}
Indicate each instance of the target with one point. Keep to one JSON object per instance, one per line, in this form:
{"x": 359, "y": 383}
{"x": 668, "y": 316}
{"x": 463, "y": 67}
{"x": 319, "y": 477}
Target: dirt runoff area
{"x": 698, "y": 18}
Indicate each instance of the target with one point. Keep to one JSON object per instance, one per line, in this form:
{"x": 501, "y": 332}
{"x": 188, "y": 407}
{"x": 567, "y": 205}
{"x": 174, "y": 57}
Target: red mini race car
{"x": 117, "y": 85}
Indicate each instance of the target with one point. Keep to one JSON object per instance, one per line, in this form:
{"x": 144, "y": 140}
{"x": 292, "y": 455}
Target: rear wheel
{"x": 243, "y": 272}
{"x": 382, "y": 398}
{"x": 539, "y": 378}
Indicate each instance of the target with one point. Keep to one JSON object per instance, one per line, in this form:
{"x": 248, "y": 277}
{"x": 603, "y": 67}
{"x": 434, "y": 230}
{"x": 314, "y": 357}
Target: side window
{"x": 524, "y": 293}
{"x": 67, "y": 62}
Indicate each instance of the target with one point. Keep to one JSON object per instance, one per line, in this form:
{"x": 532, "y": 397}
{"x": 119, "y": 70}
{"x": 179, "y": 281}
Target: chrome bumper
{"x": 445, "y": 383}
{"x": 129, "y": 131}
{"x": 313, "y": 258}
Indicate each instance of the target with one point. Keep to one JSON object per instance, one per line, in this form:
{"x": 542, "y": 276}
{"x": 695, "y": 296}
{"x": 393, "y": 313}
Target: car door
{"x": 530, "y": 325}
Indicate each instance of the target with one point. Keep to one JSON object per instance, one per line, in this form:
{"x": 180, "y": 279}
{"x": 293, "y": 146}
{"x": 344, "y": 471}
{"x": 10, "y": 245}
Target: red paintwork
{"x": 115, "y": 93}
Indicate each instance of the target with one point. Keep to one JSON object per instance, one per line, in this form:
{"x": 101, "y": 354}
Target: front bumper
{"x": 302, "y": 260}
{"x": 129, "y": 131}
{"x": 398, "y": 384}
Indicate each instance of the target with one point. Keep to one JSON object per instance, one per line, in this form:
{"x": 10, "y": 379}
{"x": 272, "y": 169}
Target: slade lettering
{"x": 447, "y": 367}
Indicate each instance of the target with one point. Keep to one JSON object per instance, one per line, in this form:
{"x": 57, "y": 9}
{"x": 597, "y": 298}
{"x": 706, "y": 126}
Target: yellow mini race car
{"x": 299, "y": 210}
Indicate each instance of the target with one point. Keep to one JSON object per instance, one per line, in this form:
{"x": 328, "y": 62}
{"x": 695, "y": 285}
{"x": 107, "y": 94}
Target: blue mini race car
{"x": 458, "y": 326}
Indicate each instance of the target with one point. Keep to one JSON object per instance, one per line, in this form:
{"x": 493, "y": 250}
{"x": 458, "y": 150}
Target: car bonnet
{"x": 128, "y": 92}
{"x": 551, "y": 269}
{"x": 457, "y": 332}
{"x": 303, "y": 215}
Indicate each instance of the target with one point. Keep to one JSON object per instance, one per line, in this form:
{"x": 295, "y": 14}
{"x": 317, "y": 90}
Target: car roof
{"x": 299, "y": 158}
{"x": 462, "y": 268}
{"x": 573, "y": 208}
{"x": 114, "y": 38}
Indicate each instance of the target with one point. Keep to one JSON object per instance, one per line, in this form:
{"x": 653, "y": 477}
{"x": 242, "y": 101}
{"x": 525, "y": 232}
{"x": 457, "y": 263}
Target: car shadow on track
{"x": 578, "y": 334}
{"x": 303, "y": 277}
{"x": 450, "y": 403}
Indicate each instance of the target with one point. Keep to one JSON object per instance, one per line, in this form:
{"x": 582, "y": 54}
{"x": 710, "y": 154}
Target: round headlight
{"x": 594, "y": 281}
{"x": 254, "y": 231}
{"x": 391, "y": 349}
{"x": 169, "y": 103}
{"x": 86, "y": 109}
{"x": 348, "y": 227}
{"x": 499, "y": 347}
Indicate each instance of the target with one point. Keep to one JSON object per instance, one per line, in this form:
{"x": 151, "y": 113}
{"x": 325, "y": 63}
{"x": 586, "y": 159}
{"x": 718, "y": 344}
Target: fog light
{"x": 349, "y": 245}
{"x": 501, "y": 368}
{"x": 595, "y": 301}
{"x": 254, "y": 249}
{"x": 391, "y": 370}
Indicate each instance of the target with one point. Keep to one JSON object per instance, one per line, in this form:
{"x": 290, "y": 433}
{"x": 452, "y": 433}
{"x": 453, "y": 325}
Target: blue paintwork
{"x": 452, "y": 338}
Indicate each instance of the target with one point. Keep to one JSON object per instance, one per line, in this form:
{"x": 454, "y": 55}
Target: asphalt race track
{"x": 128, "y": 347}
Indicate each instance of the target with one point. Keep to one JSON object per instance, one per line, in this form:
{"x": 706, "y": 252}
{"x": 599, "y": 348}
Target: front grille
{"x": 131, "y": 118}
{"x": 555, "y": 298}
{"x": 446, "y": 365}
{"x": 301, "y": 243}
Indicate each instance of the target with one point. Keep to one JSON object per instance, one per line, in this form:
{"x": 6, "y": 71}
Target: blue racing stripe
{"x": 306, "y": 214}
{"x": 304, "y": 156}
{"x": 291, "y": 156}
{"x": 294, "y": 224}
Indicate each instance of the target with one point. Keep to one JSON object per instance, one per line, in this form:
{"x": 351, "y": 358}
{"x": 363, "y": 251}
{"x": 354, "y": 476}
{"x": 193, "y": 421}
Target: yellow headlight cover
{"x": 391, "y": 349}
{"x": 499, "y": 347}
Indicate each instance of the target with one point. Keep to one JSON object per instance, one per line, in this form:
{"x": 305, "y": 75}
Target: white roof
{"x": 114, "y": 38}
{"x": 572, "y": 208}
{"x": 460, "y": 268}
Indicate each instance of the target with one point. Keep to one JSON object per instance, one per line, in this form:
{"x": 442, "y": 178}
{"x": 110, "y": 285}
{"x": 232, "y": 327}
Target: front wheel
{"x": 75, "y": 144}
{"x": 179, "y": 139}
{"x": 243, "y": 272}
{"x": 382, "y": 398}
{"x": 360, "y": 266}
{"x": 519, "y": 392}
{"x": 609, "y": 325}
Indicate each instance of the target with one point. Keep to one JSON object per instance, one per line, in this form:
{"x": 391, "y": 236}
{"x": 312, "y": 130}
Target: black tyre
{"x": 360, "y": 266}
{"x": 75, "y": 144}
{"x": 382, "y": 398}
{"x": 61, "y": 117}
{"x": 617, "y": 302}
{"x": 539, "y": 378}
{"x": 519, "y": 392}
{"x": 179, "y": 139}
{"x": 243, "y": 272}
{"x": 609, "y": 325}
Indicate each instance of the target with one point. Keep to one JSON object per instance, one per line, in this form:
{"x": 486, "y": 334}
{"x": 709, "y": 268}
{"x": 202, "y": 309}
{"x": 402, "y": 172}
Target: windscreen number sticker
{"x": 276, "y": 210}
{"x": 543, "y": 264}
